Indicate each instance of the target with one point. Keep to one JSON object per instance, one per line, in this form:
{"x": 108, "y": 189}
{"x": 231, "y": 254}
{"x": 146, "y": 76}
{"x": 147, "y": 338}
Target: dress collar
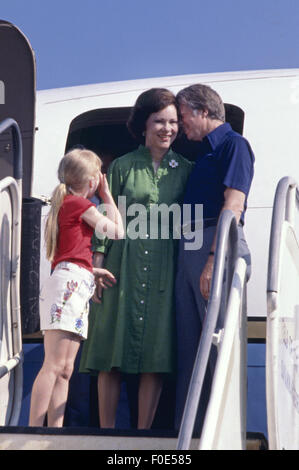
{"x": 145, "y": 152}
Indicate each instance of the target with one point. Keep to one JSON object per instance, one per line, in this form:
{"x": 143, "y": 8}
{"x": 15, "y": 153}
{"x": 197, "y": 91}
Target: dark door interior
{"x": 105, "y": 132}
{"x": 17, "y": 78}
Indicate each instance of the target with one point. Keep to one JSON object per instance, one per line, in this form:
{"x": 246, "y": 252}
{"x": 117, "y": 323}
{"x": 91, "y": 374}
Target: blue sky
{"x": 90, "y": 41}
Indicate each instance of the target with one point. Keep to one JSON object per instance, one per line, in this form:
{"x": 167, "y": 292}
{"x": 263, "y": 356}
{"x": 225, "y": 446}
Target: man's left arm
{"x": 237, "y": 164}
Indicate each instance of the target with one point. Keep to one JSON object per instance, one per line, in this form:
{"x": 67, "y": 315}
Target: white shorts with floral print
{"x": 64, "y": 299}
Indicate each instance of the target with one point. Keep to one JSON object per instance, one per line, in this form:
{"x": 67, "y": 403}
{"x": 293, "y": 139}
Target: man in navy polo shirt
{"x": 220, "y": 180}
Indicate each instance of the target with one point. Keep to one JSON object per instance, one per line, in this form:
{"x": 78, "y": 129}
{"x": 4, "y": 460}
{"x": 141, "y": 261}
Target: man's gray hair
{"x": 202, "y": 97}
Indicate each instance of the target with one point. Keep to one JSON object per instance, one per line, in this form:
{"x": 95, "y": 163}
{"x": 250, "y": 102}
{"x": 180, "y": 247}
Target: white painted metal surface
{"x": 11, "y": 378}
{"x": 225, "y": 420}
{"x": 282, "y": 353}
{"x": 283, "y": 349}
{"x": 6, "y": 348}
{"x": 224, "y": 424}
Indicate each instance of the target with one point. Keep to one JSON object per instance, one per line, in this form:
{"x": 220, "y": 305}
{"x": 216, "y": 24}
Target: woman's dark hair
{"x": 150, "y": 101}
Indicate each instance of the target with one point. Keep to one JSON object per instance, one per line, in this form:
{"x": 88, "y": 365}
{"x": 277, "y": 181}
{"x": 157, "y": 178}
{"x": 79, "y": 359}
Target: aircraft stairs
{"x": 282, "y": 340}
{"x": 11, "y": 375}
{"x": 224, "y": 425}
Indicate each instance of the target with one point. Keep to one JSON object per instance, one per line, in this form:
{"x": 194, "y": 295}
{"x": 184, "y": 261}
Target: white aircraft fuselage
{"x": 270, "y": 101}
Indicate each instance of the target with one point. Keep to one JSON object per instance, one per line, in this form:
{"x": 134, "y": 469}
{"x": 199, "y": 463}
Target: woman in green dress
{"x": 132, "y": 324}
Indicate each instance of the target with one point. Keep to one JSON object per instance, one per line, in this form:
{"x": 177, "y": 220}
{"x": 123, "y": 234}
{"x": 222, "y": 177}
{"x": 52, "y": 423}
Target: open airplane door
{"x": 17, "y": 117}
{"x": 17, "y": 99}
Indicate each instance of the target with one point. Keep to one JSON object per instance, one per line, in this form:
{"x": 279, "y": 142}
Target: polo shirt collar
{"x": 215, "y": 137}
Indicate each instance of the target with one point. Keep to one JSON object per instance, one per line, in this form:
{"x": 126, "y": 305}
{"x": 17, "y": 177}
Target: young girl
{"x": 65, "y": 295}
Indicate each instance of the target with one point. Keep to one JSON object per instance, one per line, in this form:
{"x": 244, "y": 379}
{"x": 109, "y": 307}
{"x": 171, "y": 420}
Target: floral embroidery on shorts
{"x": 55, "y": 313}
{"x": 71, "y": 287}
{"x": 79, "y": 323}
{"x": 56, "y": 310}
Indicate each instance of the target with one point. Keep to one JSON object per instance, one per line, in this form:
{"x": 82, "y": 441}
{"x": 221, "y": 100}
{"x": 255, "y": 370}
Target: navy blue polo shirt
{"x": 225, "y": 161}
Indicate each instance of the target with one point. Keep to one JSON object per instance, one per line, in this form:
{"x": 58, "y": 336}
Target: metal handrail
{"x": 17, "y": 146}
{"x": 283, "y": 209}
{"x": 286, "y": 201}
{"x": 225, "y": 419}
{"x": 14, "y": 186}
{"x": 226, "y": 249}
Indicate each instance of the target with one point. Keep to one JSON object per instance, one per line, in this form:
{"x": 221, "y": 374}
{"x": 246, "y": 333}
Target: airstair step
{"x": 25, "y": 438}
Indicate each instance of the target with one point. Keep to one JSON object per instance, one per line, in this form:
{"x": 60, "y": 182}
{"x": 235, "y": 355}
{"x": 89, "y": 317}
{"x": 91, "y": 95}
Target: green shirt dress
{"x": 133, "y": 329}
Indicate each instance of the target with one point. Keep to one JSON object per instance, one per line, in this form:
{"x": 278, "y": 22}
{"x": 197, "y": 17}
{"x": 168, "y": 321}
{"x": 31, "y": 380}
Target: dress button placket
{"x": 143, "y": 284}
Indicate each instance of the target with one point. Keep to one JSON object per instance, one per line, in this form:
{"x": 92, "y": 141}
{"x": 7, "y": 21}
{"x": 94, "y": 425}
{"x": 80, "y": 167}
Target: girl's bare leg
{"x": 109, "y": 384}
{"x": 69, "y": 347}
{"x": 57, "y": 345}
{"x": 150, "y": 388}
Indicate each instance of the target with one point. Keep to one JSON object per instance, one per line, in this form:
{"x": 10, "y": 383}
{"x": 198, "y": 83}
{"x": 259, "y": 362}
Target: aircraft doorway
{"x": 105, "y": 132}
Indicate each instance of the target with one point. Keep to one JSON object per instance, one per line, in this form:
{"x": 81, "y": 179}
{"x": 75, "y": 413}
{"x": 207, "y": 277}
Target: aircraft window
{"x": 105, "y": 132}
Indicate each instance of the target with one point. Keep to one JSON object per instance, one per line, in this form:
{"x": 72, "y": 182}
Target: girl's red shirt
{"x": 74, "y": 236}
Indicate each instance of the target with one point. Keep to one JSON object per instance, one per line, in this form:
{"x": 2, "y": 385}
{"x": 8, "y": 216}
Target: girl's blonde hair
{"x": 74, "y": 171}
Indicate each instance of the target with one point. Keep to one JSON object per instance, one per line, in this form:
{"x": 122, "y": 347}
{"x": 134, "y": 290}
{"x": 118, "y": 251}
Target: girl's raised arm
{"x": 102, "y": 224}
{"x": 110, "y": 225}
